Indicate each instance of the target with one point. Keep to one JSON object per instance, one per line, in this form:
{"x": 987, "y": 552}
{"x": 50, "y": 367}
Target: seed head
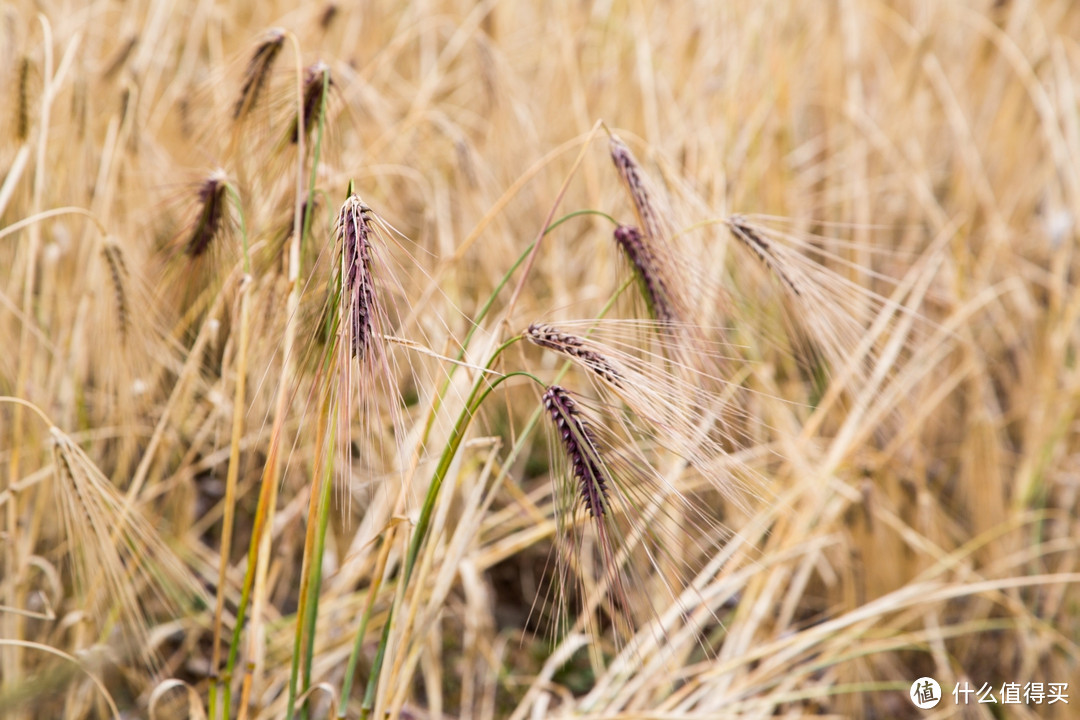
{"x": 580, "y": 447}
{"x": 258, "y": 70}
{"x": 326, "y": 17}
{"x": 115, "y": 551}
{"x": 22, "y": 116}
{"x": 549, "y": 337}
{"x": 114, "y": 258}
{"x": 761, "y": 248}
{"x": 211, "y": 214}
{"x": 634, "y": 180}
{"x": 314, "y": 86}
{"x": 649, "y": 270}
{"x": 358, "y": 301}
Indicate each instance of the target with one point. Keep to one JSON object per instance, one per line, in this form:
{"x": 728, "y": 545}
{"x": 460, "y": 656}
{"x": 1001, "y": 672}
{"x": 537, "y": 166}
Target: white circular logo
{"x": 925, "y": 693}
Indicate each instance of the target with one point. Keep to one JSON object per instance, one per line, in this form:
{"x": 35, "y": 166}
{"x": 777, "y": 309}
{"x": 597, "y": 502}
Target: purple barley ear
{"x": 211, "y": 218}
{"x": 546, "y": 336}
{"x": 258, "y": 70}
{"x": 578, "y": 443}
{"x": 758, "y": 245}
{"x": 358, "y": 307}
{"x": 650, "y": 271}
{"x": 314, "y": 86}
{"x": 634, "y": 180}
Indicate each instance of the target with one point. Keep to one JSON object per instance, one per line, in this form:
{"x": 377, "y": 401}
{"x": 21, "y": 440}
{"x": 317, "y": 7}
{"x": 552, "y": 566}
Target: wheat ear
{"x": 580, "y": 447}
{"x": 211, "y": 218}
{"x": 114, "y": 258}
{"x": 316, "y": 81}
{"x": 258, "y": 70}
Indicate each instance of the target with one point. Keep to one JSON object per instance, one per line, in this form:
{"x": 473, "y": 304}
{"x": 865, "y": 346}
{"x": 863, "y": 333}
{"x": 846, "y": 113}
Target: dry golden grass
{"x": 252, "y": 464}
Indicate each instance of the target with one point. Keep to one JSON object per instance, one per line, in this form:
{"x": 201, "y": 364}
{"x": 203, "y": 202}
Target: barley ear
{"x": 546, "y": 336}
{"x": 211, "y": 217}
{"x": 579, "y": 444}
{"x": 22, "y": 114}
{"x": 650, "y": 273}
{"x": 761, "y": 248}
{"x": 258, "y": 71}
{"x": 633, "y": 180}
{"x": 114, "y": 258}
{"x": 316, "y": 81}
{"x": 116, "y": 554}
{"x": 357, "y": 287}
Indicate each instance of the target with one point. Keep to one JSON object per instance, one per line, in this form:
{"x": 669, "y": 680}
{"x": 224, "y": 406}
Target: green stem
{"x": 476, "y": 397}
{"x": 312, "y": 610}
{"x": 491, "y": 301}
{"x": 226, "y": 539}
{"x": 262, "y": 509}
{"x": 479, "y": 393}
{"x": 311, "y": 572}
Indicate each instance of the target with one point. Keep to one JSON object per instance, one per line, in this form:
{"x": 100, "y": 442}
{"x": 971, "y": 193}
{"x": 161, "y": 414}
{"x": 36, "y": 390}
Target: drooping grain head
{"x": 122, "y": 566}
{"x": 649, "y": 271}
{"x": 114, "y": 258}
{"x": 316, "y": 82}
{"x": 578, "y": 443}
{"x": 357, "y": 299}
{"x": 546, "y": 336}
{"x": 758, "y": 245}
{"x": 211, "y": 218}
{"x": 22, "y": 116}
{"x": 634, "y": 181}
{"x": 258, "y": 70}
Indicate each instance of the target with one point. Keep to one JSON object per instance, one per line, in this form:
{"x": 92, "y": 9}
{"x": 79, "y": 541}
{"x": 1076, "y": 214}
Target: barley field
{"x": 470, "y": 359}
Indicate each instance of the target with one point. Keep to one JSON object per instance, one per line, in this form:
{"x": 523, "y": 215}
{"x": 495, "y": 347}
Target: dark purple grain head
{"x": 546, "y": 336}
{"x": 258, "y": 70}
{"x": 316, "y": 82}
{"x": 576, "y": 438}
{"x": 211, "y": 215}
{"x": 649, "y": 271}
{"x": 358, "y": 288}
